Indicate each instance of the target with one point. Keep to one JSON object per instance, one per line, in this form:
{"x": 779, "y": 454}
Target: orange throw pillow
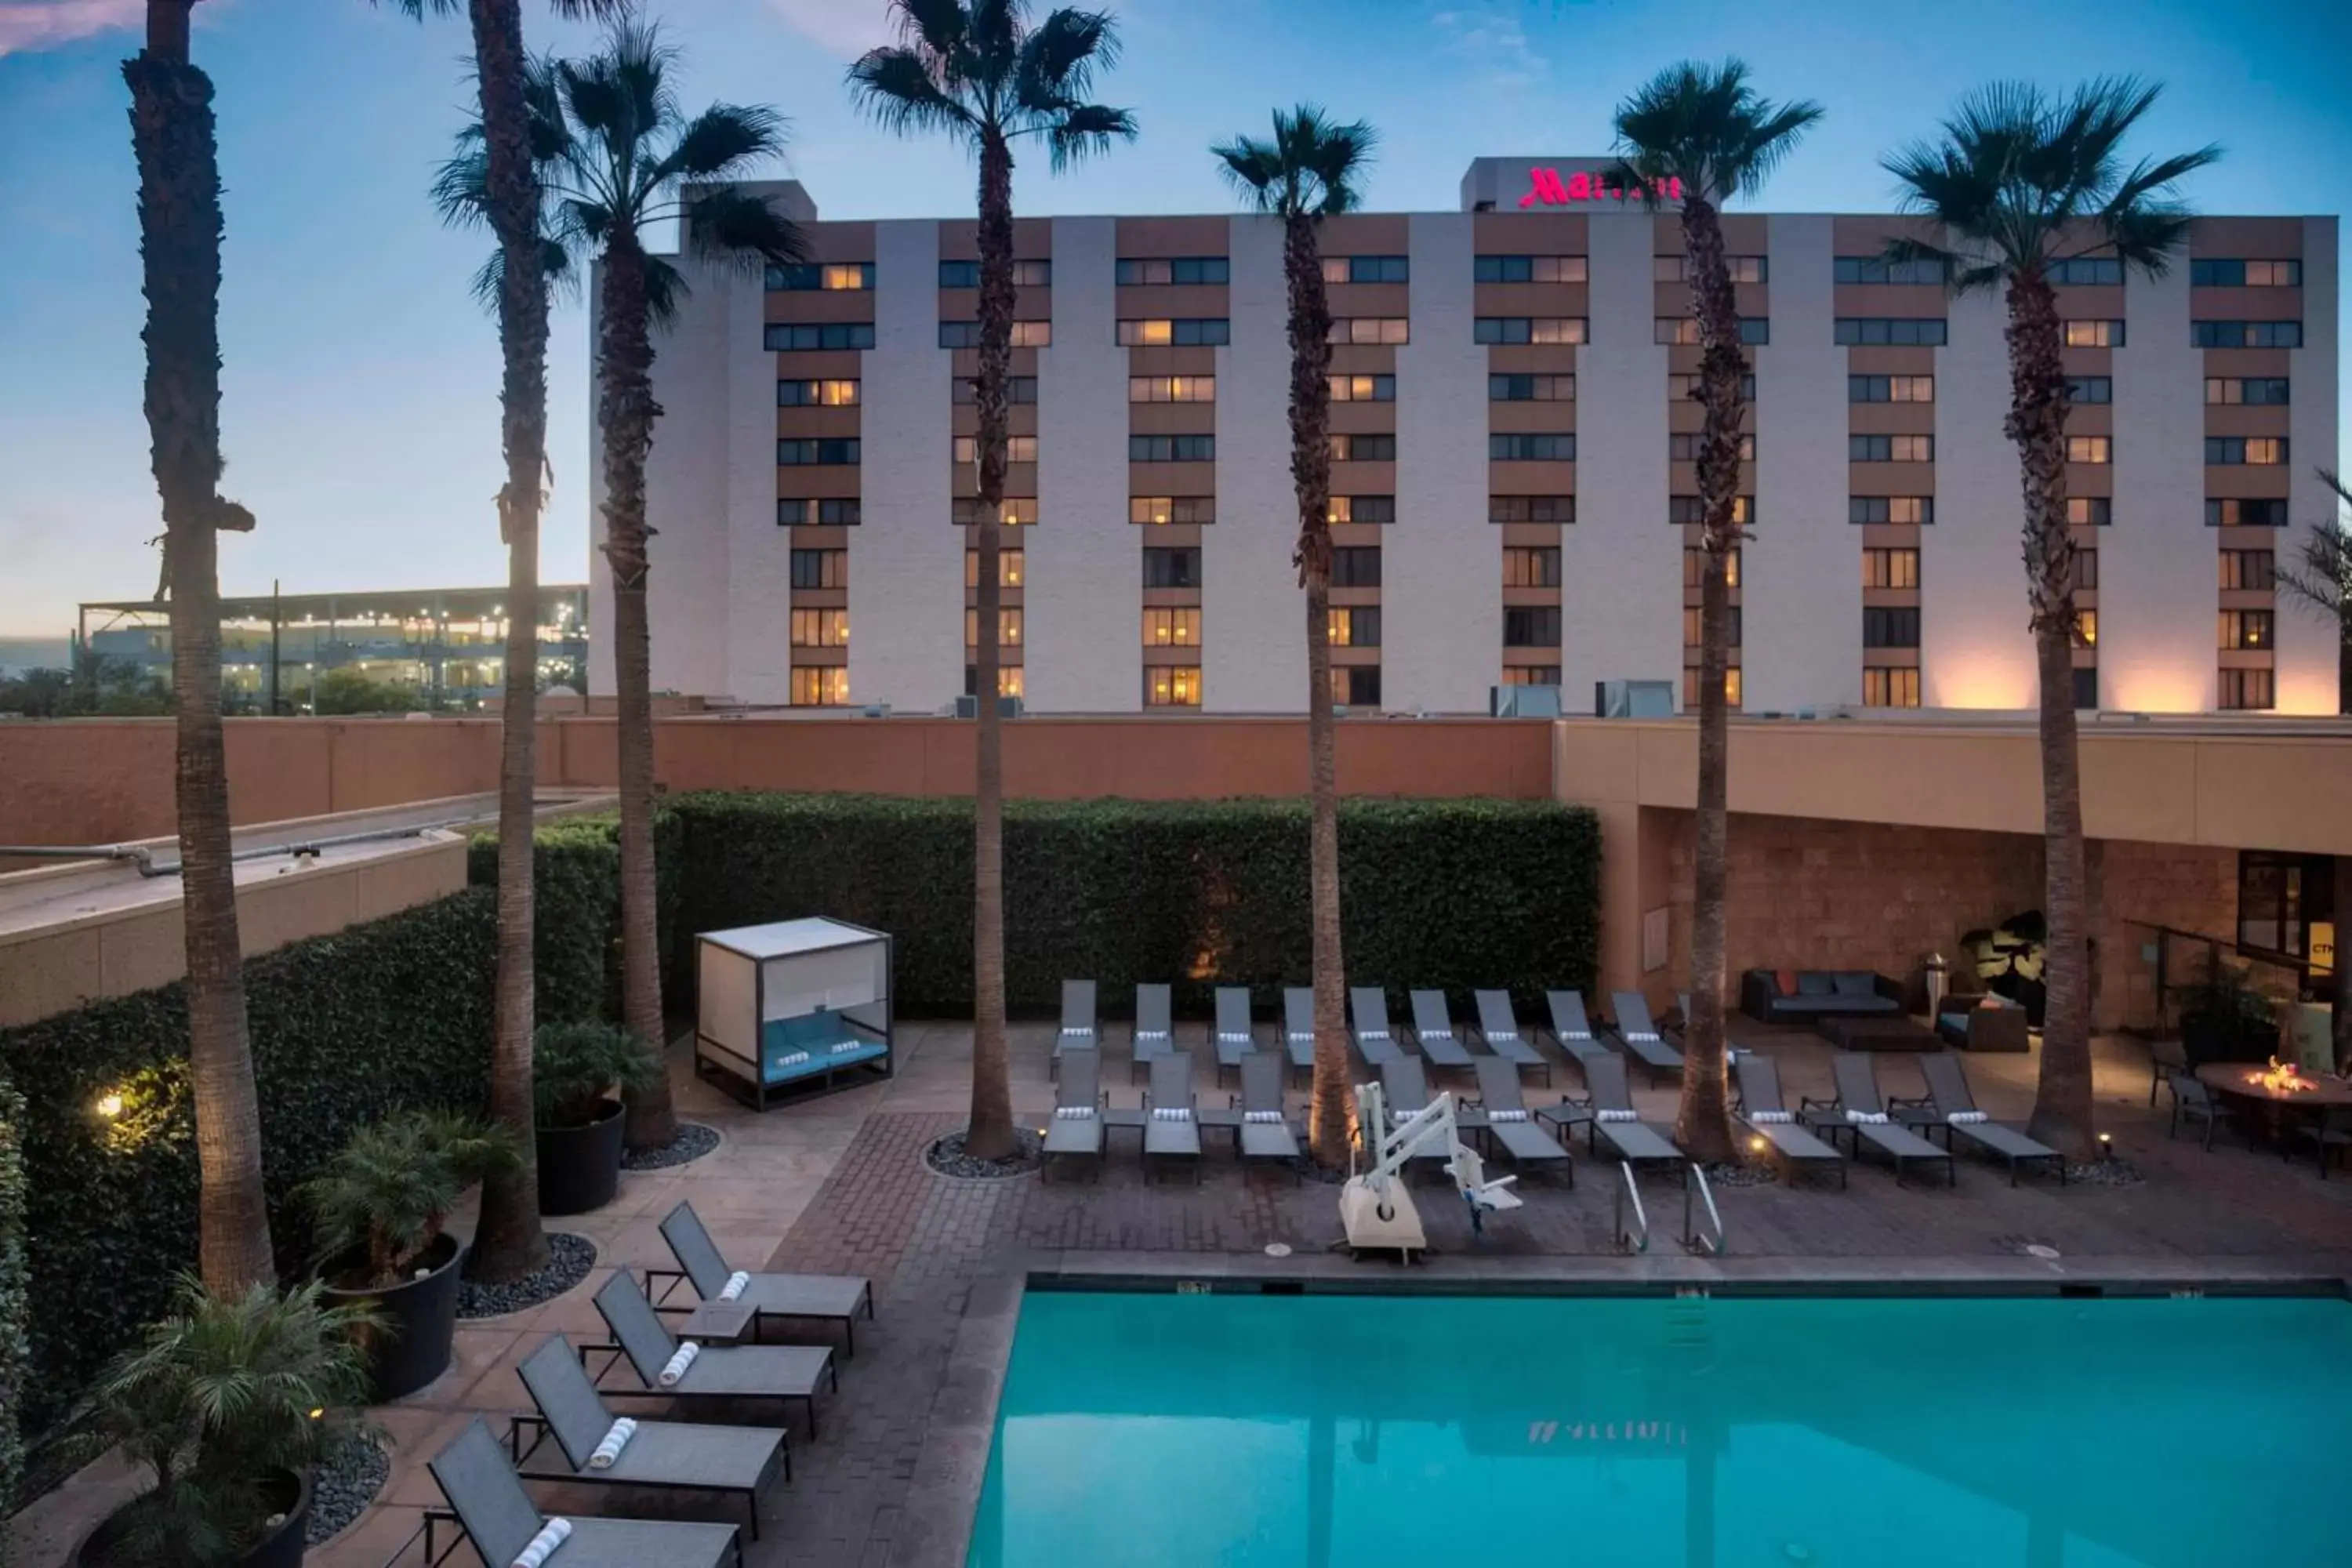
{"x": 1786, "y": 979}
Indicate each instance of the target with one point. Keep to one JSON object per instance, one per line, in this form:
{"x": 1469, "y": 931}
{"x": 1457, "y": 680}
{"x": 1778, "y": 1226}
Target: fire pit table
{"x": 2267, "y": 1095}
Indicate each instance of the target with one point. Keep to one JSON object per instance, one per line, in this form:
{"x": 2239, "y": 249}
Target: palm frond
{"x": 896, "y": 90}
{"x": 665, "y": 290}
{"x": 1254, "y": 168}
{"x": 557, "y": 272}
{"x": 734, "y": 229}
{"x": 1312, "y": 164}
{"x": 1059, "y": 58}
{"x": 1706, "y": 126}
{"x": 461, "y": 187}
{"x": 2319, "y": 574}
{"x": 937, "y": 27}
{"x": 1086, "y": 131}
{"x": 719, "y": 141}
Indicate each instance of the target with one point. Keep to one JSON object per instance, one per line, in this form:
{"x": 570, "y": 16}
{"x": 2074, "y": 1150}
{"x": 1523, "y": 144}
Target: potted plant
{"x": 576, "y": 1067}
{"x": 379, "y": 1207}
{"x": 227, "y": 1404}
{"x": 2224, "y": 1019}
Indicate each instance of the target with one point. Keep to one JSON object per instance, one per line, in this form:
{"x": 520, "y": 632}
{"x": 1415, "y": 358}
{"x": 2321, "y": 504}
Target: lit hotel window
{"x": 1380, "y": 448}
{"x": 1203, "y": 332}
{"x": 1692, "y": 615}
{"x": 1155, "y": 509}
{"x": 1694, "y": 566}
{"x": 820, "y": 628}
{"x": 966, "y": 334}
{"x": 2261, "y": 389}
{"x": 2258, "y": 451}
{"x": 2089, "y": 450}
{"x": 1017, "y": 448}
{"x": 1177, "y": 626}
{"x": 1364, "y": 388}
{"x": 1731, "y": 686}
{"x": 1012, "y": 511}
{"x": 1172, "y": 388}
{"x": 2246, "y": 689}
{"x": 1690, "y": 511}
{"x": 816, "y": 393}
{"x": 1008, "y": 680}
{"x": 1171, "y": 686}
{"x": 1889, "y": 688}
{"x": 1008, "y": 568}
{"x": 820, "y": 685}
{"x": 2094, "y": 334}
{"x": 1008, "y": 627}
{"x": 1890, "y": 448}
{"x": 1890, "y": 389}
{"x": 1890, "y": 568}
{"x": 1528, "y": 330}
{"x": 2245, "y": 631}
{"x": 810, "y": 275}
{"x": 2090, "y": 512}
{"x": 1531, "y": 566}
{"x": 1356, "y": 626}
{"x": 2215, "y": 273}
{"x": 1361, "y": 508}
{"x": 1891, "y": 509}
{"x": 2086, "y": 628}
{"x": 1529, "y": 269}
{"x": 1370, "y": 329}
{"x": 2253, "y": 570}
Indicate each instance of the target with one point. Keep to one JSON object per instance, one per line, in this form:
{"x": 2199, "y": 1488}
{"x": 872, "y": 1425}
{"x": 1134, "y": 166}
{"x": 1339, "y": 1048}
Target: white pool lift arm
{"x": 1375, "y": 1206}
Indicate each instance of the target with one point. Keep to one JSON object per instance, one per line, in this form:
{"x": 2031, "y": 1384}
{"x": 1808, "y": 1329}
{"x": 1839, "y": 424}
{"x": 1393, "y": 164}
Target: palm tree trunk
{"x": 507, "y": 1241}
{"x": 989, "y": 1135}
{"x": 180, "y": 230}
{"x": 1330, "y": 1111}
{"x": 626, "y": 412}
{"x": 2063, "y": 1115}
{"x": 1702, "y": 1122}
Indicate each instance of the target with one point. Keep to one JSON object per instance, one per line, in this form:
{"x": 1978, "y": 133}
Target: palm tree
{"x": 1309, "y": 170}
{"x": 2321, "y": 579}
{"x": 179, "y": 246}
{"x": 2019, "y": 180}
{"x": 1706, "y": 126}
{"x": 615, "y": 157}
{"x": 508, "y": 1242}
{"x": 977, "y": 70}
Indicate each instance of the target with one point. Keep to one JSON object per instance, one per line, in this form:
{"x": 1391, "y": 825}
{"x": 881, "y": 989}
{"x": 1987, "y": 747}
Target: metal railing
{"x": 1711, "y": 1241}
{"x": 1636, "y": 1239}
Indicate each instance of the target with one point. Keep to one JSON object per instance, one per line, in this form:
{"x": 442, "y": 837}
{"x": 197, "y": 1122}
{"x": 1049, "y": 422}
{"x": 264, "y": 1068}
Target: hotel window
{"x": 816, "y": 394}
{"x": 1928, "y": 272}
{"x": 830, "y": 449}
{"x": 820, "y": 568}
{"x": 791, "y": 337}
{"x": 1370, "y": 329}
{"x": 1530, "y": 508}
{"x": 1692, "y": 387}
{"x": 1356, "y": 567}
{"x": 1695, "y": 564}
{"x": 1743, "y": 268}
{"x": 820, "y": 685}
{"x": 2245, "y": 514}
{"x": 1367, "y": 270}
{"x": 2245, "y": 334}
{"x": 959, "y": 274}
{"x": 1038, "y": 274}
{"x": 2087, "y": 569}
{"x": 1017, "y": 448}
{"x": 1009, "y": 682}
{"x": 1361, "y": 508}
{"x": 1363, "y": 448}
{"x": 1531, "y": 675}
{"x": 1890, "y": 389}
{"x": 1528, "y": 330}
{"x": 2241, "y": 689}
{"x": 2094, "y": 334}
{"x": 2245, "y": 631}
{"x": 820, "y": 628}
{"x": 1011, "y": 568}
{"x": 1008, "y": 626}
{"x": 1356, "y": 626}
{"x": 1017, "y": 389}
{"x": 1530, "y": 626}
{"x": 1731, "y": 686}
{"x": 1690, "y": 511}
{"x": 1890, "y": 508}
{"x": 1890, "y": 568}
{"x": 2087, "y": 686}
{"x": 1364, "y": 388}
{"x": 2086, "y": 628}
{"x": 1890, "y": 448}
{"x": 1032, "y": 334}
{"x": 1531, "y": 566}
{"x": 1159, "y": 510}
{"x": 1171, "y": 686}
{"x": 2084, "y": 389}
{"x": 828, "y": 276}
{"x": 2092, "y": 271}
{"x": 1677, "y": 329}
{"x": 2089, "y": 512}
{"x": 1685, "y": 449}
{"x": 2263, "y": 390}
{"x": 1177, "y": 627}
{"x": 1172, "y": 389}
{"x": 1890, "y": 626}
{"x": 966, "y": 334}
{"x": 2249, "y": 569}
{"x": 2261, "y": 451}
{"x": 1012, "y": 511}
{"x": 2090, "y": 449}
{"x": 1529, "y": 269}
{"x": 1889, "y": 688}
{"x": 1871, "y": 332}
{"x": 2219, "y": 274}
{"x": 1515, "y": 448}
{"x": 1191, "y": 332}
{"x": 1179, "y": 567}
{"x": 1356, "y": 686}
{"x": 1530, "y": 389}
{"x": 1189, "y": 269}
{"x": 1691, "y": 618}
{"x": 834, "y": 512}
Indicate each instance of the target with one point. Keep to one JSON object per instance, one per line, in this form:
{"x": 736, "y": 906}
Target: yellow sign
{"x": 2323, "y": 947}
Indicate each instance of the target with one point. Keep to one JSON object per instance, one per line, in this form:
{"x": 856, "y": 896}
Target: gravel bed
{"x": 2115, "y": 1173}
{"x": 569, "y": 1258}
{"x": 344, "y": 1483}
{"x": 692, "y": 1143}
{"x": 946, "y": 1158}
{"x": 1738, "y": 1174}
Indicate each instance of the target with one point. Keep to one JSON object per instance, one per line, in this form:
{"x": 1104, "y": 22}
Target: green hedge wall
{"x": 576, "y": 876}
{"x": 1455, "y": 894}
{"x": 12, "y": 1305}
{"x": 345, "y": 1027}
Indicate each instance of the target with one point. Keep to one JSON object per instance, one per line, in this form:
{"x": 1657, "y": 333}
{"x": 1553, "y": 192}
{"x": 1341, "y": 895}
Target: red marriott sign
{"x": 1546, "y": 186}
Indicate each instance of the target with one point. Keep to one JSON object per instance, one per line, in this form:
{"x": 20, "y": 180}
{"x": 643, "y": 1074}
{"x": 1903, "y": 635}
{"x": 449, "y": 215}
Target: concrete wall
{"x": 1974, "y": 648}
{"x": 2307, "y": 642}
{"x": 1253, "y": 612}
{"x": 2156, "y": 582}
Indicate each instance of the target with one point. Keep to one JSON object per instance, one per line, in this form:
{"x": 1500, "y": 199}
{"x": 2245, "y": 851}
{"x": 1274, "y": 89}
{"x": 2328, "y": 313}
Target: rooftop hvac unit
{"x": 1632, "y": 699}
{"x": 969, "y": 707}
{"x": 1525, "y": 702}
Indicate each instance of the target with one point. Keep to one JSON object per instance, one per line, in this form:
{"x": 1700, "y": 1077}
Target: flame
{"x": 2281, "y": 1078}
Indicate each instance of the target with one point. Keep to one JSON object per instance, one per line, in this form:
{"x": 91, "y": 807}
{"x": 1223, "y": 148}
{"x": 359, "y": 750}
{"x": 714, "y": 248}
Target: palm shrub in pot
{"x": 380, "y": 1207}
{"x": 577, "y": 1070}
{"x": 2224, "y": 1019}
{"x": 227, "y": 1404}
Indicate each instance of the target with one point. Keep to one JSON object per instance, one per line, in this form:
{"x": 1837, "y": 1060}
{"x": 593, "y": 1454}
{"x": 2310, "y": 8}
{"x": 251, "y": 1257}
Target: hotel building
{"x": 1513, "y": 495}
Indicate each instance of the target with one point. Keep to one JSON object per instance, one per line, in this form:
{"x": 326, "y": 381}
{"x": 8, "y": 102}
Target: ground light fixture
{"x": 109, "y": 1106}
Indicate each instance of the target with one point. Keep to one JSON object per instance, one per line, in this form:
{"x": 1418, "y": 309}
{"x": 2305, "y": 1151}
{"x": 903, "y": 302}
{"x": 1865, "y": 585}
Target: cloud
{"x": 1488, "y": 39}
{"x": 848, "y": 27}
{"x": 27, "y": 25}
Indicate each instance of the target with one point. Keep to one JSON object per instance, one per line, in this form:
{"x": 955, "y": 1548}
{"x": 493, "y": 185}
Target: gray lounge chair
{"x": 1406, "y": 1090}
{"x": 1433, "y": 1031}
{"x": 1571, "y": 1029}
{"x": 1078, "y": 1030}
{"x": 788, "y": 1373}
{"x": 1298, "y": 1029}
{"x": 1154, "y": 1034}
{"x": 1261, "y": 1138}
{"x": 1234, "y": 1038}
{"x": 1498, "y": 1026}
{"x": 1172, "y": 1137}
{"x": 820, "y": 1298}
{"x": 1615, "y": 1122}
{"x": 1075, "y": 1131}
{"x": 1375, "y": 1040}
{"x": 1509, "y": 1123}
{"x": 1949, "y": 1096}
{"x": 1766, "y": 1115}
{"x": 2192, "y": 1100}
{"x": 1857, "y": 1093}
{"x": 488, "y": 1502}
{"x": 675, "y": 1455}
{"x": 1641, "y": 1036}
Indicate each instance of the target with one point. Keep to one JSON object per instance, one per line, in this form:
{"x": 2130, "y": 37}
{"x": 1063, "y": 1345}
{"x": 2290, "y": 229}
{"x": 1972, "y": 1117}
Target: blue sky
{"x": 358, "y": 411}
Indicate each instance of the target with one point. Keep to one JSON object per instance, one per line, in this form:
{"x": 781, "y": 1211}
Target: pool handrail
{"x": 1630, "y": 1240}
{"x": 1693, "y": 1241}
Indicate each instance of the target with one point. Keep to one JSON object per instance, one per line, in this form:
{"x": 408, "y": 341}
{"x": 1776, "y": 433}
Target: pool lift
{"x": 1376, "y": 1210}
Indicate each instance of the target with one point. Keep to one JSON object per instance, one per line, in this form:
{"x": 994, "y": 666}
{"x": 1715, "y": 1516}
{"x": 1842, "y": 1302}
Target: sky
{"x": 359, "y": 412}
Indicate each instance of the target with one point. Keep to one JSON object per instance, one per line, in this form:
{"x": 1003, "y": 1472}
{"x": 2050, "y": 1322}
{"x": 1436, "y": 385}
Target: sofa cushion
{"x": 1784, "y": 981}
{"x": 1823, "y": 1005}
{"x": 1816, "y": 982}
{"x": 1855, "y": 983}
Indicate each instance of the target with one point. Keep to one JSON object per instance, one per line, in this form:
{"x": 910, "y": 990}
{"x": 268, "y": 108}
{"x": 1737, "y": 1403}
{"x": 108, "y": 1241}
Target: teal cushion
{"x": 1815, "y": 982}
{"x": 1856, "y": 983}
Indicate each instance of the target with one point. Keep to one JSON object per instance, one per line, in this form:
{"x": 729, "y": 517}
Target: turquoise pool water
{"x": 1356, "y": 1432}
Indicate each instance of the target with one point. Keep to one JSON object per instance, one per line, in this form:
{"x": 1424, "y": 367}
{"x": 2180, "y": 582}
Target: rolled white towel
{"x": 792, "y": 1058}
{"x": 1299, "y": 1037}
{"x": 1616, "y": 1116}
{"x": 1171, "y": 1113}
{"x": 1507, "y": 1116}
{"x": 1438, "y": 1034}
{"x": 1373, "y": 1034}
{"x": 675, "y": 1368}
{"x": 1771, "y": 1118}
{"x": 1232, "y": 1036}
{"x": 1155, "y": 1036}
{"x": 1647, "y": 1037}
{"x": 1866, "y": 1117}
{"x": 616, "y": 1437}
{"x": 840, "y": 1046}
{"x": 541, "y": 1547}
{"x": 1079, "y": 1033}
{"x": 1583, "y": 1037}
{"x": 736, "y": 1284}
{"x": 1966, "y": 1117}
{"x": 1502, "y": 1035}
{"x": 1262, "y": 1116}
{"x": 1072, "y": 1113}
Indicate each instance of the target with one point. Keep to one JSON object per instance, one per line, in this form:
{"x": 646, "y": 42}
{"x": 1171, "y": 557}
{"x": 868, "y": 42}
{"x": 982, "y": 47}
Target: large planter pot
{"x": 580, "y": 1167}
{"x": 282, "y": 1547}
{"x": 420, "y": 1316}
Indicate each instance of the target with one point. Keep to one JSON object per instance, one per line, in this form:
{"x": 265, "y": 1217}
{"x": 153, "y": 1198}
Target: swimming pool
{"x": 1361, "y": 1431}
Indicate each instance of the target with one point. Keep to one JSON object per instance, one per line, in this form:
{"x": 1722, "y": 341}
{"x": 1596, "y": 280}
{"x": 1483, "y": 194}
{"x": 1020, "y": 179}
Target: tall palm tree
{"x": 2018, "y": 179}
{"x": 1706, "y": 126}
{"x": 509, "y": 1242}
{"x": 616, "y": 156}
{"x": 979, "y": 71}
{"x": 179, "y": 246}
{"x": 1309, "y": 170}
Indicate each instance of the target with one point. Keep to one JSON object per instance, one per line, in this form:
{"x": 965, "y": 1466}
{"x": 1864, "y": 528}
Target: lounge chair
{"x": 1078, "y": 1030}
{"x": 1154, "y": 1034}
{"x": 1433, "y": 1031}
{"x": 488, "y": 1502}
{"x": 1498, "y": 1026}
{"x": 1234, "y": 1038}
{"x": 1951, "y": 1105}
{"x": 1571, "y": 1029}
{"x": 823, "y": 1297}
{"x": 1076, "y": 1130}
{"x": 1766, "y": 1115}
{"x": 2194, "y": 1101}
{"x": 1375, "y": 1041}
{"x": 1509, "y": 1123}
{"x": 1298, "y": 1029}
{"x": 675, "y": 1455}
{"x": 788, "y": 1373}
{"x": 1406, "y": 1090}
{"x": 1265, "y": 1132}
{"x": 1171, "y": 1121}
{"x": 1640, "y": 1037}
{"x": 1618, "y": 1124}
{"x": 1859, "y": 1112}
{"x": 2328, "y": 1136}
